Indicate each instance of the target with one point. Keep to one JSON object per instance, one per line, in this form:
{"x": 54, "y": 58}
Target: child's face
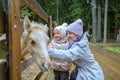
{"x": 58, "y": 36}
{"x": 71, "y": 36}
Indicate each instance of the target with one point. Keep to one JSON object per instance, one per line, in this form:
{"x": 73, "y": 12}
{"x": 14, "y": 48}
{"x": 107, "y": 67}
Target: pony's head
{"x": 35, "y": 39}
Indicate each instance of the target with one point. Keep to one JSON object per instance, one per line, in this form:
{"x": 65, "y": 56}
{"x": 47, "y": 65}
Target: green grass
{"x": 112, "y": 46}
{"x": 2, "y": 52}
{"x": 114, "y": 49}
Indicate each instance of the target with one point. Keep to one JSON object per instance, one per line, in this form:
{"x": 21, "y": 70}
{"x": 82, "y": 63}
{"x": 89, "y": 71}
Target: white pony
{"x": 34, "y": 40}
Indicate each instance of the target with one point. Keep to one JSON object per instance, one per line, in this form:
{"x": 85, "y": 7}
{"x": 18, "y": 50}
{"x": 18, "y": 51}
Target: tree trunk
{"x": 105, "y": 22}
{"x": 99, "y": 23}
{"x": 94, "y": 19}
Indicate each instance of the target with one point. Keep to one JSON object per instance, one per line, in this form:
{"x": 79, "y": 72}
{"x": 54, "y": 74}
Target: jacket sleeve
{"x": 70, "y": 55}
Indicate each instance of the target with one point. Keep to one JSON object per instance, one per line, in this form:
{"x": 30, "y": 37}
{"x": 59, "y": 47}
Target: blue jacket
{"x": 81, "y": 56}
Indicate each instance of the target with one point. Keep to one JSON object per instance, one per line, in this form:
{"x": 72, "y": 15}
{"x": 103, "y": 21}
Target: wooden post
{"x": 51, "y": 28}
{"x": 14, "y": 39}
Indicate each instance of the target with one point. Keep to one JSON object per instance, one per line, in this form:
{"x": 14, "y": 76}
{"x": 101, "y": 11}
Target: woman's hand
{"x": 49, "y": 48}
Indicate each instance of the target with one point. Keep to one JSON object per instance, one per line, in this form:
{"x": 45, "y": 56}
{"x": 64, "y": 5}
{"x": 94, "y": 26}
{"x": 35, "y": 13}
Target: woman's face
{"x": 71, "y": 36}
{"x": 57, "y": 35}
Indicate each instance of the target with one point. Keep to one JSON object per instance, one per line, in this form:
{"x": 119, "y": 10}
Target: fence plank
{"x": 51, "y": 28}
{"x": 27, "y": 63}
{"x": 33, "y": 5}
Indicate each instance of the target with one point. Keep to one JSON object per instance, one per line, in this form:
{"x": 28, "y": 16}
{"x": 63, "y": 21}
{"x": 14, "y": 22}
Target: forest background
{"x": 92, "y": 12}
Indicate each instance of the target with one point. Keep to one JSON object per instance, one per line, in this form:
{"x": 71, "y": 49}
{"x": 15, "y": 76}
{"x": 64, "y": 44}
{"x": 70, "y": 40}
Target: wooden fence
{"x": 14, "y": 33}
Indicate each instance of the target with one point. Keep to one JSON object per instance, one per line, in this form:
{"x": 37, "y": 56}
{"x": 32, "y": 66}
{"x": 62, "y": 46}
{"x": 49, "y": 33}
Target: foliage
{"x": 115, "y": 12}
{"x": 1, "y": 6}
{"x": 50, "y": 6}
{"x": 70, "y": 10}
{"x": 80, "y": 9}
{"x": 2, "y": 52}
{"x": 25, "y": 11}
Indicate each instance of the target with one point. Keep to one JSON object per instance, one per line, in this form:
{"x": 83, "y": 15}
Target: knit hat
{"x": 76, "y": 27}
{"x": 62, "y": 29}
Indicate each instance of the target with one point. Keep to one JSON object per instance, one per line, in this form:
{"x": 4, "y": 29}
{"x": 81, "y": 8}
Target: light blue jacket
{"x": 81, "y": 56}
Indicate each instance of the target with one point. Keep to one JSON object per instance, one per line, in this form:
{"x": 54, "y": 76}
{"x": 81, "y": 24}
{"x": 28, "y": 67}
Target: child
{"x": 60, "y": 67}
{"x": 79, "y": 53}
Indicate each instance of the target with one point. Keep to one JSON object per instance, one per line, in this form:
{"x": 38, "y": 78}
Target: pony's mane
{"x": 40, "y": 26}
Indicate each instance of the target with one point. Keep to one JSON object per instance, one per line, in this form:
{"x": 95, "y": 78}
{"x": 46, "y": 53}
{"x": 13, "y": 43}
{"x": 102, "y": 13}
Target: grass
{"x": 112, "y": 46}
{"x": 114, "y": 49}
{"x": 2, "y": 52}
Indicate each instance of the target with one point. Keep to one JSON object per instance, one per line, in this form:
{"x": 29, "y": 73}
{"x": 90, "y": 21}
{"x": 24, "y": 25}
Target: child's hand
{"x": 50, "y": 46}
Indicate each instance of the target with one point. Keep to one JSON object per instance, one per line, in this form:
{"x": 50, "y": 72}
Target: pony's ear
{"x": 27, "y": 24}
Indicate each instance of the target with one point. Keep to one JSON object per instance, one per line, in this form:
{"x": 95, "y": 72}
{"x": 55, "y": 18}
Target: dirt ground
{"x": 109, "y": 61}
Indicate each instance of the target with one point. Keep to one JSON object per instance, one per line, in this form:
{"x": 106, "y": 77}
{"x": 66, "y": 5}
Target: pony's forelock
{"x": 40, "y": 26}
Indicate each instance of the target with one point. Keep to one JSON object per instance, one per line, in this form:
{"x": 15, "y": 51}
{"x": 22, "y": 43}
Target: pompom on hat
{"x": 76, "y": 27}
{"x": 62, "y": 29}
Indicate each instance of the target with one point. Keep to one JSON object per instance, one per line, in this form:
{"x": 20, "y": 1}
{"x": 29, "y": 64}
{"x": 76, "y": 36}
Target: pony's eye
{"x": 33, "y": 42}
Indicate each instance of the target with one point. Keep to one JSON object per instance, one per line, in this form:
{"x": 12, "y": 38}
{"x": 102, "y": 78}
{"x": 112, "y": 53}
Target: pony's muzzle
{"x": 46, "y": 66}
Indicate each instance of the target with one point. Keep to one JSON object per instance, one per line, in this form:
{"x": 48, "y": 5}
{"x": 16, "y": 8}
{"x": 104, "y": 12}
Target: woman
{"x": 79, "y": 53}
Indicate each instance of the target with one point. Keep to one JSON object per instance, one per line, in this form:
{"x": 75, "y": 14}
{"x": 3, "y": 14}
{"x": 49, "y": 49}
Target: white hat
{"x": 62, "y": 29}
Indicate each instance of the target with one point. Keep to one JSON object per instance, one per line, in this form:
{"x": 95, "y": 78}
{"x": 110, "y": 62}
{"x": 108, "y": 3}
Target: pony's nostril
{"x": 42, "y": 64}
{"x": 46, "y": 66}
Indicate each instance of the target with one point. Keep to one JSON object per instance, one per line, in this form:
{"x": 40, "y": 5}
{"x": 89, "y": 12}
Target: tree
{"x": 105, "y": 22}
{"x": 94, "y": 19}
{"x": 80, "y": 9}
{"x": 99, "y": 23}
{"x": 90, "y": 11}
